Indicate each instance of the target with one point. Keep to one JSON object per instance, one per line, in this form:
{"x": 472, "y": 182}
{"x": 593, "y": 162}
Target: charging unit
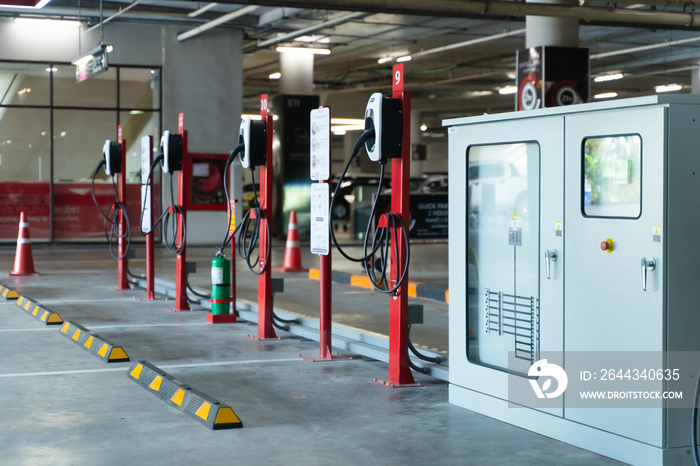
{"x": 253, "y": 135}
{"x": 112, "y": 156}
{"x": 384, "y": 114}
{"x": 171, "y": 150}
{"x": 574, "y": 257}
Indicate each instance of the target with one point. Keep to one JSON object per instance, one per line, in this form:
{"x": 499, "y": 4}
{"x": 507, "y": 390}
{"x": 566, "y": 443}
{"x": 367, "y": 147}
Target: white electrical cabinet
{"x": 573, "y": 235}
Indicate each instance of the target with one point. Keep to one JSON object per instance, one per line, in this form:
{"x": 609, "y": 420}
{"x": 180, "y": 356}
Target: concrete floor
{"x": 61, "y": 405}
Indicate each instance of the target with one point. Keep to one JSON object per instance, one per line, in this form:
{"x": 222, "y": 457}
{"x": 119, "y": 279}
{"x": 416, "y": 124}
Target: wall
{"x": 201, "y": 77}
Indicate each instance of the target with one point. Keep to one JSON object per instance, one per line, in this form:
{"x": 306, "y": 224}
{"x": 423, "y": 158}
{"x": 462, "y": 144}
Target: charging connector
{"x": 171, "y": 151}
{"x": 252, "y": 134}
{"x": 112, "y": 156}
{"x": 385, "y": 116}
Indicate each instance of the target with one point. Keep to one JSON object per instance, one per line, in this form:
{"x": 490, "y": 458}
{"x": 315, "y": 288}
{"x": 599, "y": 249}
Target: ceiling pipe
{"x": 644, "y": 47}
{"x": 498, "y": 9}
{"x": 204, "y": 9}
{"x": 216, "y": 22}
{"x": 118, "y": 13}
{"x": 316, "y": 27}
{"x": 467, "y": 43}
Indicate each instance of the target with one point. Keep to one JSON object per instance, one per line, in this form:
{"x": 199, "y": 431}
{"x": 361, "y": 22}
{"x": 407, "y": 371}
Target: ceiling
{"x": 651, "y": 42}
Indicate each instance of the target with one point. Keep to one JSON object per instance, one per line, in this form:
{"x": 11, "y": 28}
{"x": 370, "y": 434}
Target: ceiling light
{"x": 46, "y": 22}
{"x": 605, "y": 95}
{"x": 304, "y": 50}
{"x": 423, "y": 127}
{"x": 345, "y": 128}
{"x": 403, "y": 59}
{"x": 339, "y": 132}
{"x": 668, "y": 88}
{"x": 608, "y": 77}
{"x": 275, "y": 75}
{"x": 508, "y": 90}
{"x": 347, "y": 121}
{"x": 52, "y": 69}
{"x": 383, "y": 60}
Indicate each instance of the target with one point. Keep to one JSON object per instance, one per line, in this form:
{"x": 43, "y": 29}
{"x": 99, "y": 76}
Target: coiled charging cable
{"x": 248, "y": 230}
{"x": 111, "y": 218}
{"x": 168, "y": 217}
{"x": 380, "y": 236}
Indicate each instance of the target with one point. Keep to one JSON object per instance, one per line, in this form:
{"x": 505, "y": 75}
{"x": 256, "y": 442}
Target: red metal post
{"x": 121, "y": 242}
{"x": 325, "y": 314}
{"x": 232, "y": 228}
{"x": 399, "y": 371}
{"x": 150, "y": 262}
{"x": 183, "y": 190}
{"x": 265, "y": 328}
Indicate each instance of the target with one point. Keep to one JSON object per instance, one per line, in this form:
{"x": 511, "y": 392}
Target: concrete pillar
{"x": 297, "y": 69}
{"x": 695, "y": 81}
{"x": 543, "y": 30}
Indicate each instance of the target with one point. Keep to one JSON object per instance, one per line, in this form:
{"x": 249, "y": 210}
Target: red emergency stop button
{"x": 608, "y": 245}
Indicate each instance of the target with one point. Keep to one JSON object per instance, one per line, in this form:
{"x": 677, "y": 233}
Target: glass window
{"x": 24, "y": 84}
{"x": 612, "y": 176}
{"x": 135, "y": 125}
{"x": 99, "y": 91}
{"x": 503, "y": 255}
{"x": 25, "y": 167}
{"x": 139, "y": 88}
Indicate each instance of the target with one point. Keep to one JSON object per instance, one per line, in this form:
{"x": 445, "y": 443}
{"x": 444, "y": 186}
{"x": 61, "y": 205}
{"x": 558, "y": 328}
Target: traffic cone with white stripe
{"x": 292, "y": 253}
{"x": 24, "y": 261}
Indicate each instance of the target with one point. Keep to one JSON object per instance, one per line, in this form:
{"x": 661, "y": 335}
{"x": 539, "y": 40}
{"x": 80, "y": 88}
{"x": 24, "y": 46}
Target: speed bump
{"x": 8, "y": 293}
{"x": 38, "y": 311}
{"x": 201, "y": 407}
{"x": 95, "y": 344}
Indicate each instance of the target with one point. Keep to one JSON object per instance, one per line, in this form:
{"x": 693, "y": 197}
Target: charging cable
{"x": 380, "y": 242}
{"x": 694, "y": 426}
{"x": 111, "y": 218}
{"x": 248, "y": 230}
{"x": 168, "y": 217}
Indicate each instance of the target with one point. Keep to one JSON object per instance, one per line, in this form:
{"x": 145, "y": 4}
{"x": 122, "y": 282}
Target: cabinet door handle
{"x": 549, "y": 255}
{"x": 647, "y": 265}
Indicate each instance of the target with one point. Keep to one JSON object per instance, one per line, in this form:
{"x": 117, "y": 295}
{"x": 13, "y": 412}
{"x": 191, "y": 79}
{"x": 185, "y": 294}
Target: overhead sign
{"x": 91, "y": 64}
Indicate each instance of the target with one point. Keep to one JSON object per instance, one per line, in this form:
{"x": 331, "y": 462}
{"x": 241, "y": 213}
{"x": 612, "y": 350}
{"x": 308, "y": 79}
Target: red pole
{"x": 121, "y": 241}
{"x": 150, "y": 263}
{"x": 399, "y": 371}
{"x": 232, "y": 228}
{"x": 325, "y": 315}
{"x": 265, "y": 328}
{"x": 183, "y": 189}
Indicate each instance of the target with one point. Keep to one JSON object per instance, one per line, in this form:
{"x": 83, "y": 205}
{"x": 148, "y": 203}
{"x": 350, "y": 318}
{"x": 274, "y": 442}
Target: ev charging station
{"x": 573, "y": 244}
{"x": 114, "y": 163}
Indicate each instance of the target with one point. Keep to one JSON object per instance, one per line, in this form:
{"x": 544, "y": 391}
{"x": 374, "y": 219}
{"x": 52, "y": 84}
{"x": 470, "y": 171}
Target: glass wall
{"x": 52, "y": 130}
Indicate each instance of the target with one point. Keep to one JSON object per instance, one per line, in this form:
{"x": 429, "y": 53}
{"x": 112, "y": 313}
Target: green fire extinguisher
{"x": 220, "y": 284}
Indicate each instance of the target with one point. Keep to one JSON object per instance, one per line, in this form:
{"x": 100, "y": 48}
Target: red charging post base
{"x": 123, "y": 281}
{"x": 400, "y": 374}
{"x": 184, "y": 182}
{"x": 265, "y": 329}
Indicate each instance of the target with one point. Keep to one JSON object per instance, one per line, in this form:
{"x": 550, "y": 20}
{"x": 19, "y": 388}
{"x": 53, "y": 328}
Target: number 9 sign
{"x": 397, "y": 81}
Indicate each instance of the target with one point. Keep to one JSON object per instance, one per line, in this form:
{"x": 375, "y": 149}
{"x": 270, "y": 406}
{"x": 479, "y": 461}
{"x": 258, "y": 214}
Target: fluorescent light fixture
{"x": 605, "y": 95}
{"x": 46, "y": 22}
{"x": 405, "y": 58}
{"x": 383, "y": 60}
{"x": 423, "y": 127}
{"x": 339, "y": 132}
{"x": 668, "y": 88}
{"x": 38, "y": 5}
{"x": 347, "y": 121}
{"x": 275, "y": 75}
{"x": 508, "y": 90}
{"x": 608, "y": 77}
{"x": 304, "y": 50}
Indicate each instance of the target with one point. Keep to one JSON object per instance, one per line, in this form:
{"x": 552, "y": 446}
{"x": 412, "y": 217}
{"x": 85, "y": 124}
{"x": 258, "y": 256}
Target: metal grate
{"x": 518, "y": 316}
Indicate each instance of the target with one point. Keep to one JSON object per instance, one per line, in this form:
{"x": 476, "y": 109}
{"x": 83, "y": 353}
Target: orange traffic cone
{"x": 292, "y": 254}
{"x": 24, "y": 261}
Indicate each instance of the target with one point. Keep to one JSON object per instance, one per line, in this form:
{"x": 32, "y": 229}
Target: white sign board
{"x": 321, "y": 144}
{"x": 145, "y": 192}
{"x": 320, "y": 235}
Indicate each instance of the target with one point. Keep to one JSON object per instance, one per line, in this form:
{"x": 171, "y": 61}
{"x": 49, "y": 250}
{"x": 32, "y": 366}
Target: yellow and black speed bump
{"x": 95, "y": 344}
{"x": 196, "y": 404}
{"x": 38, "y": 311}
{"x": 8, "y": 293}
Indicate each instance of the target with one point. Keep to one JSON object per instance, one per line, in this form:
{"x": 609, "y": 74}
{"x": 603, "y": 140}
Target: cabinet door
{"x": 614, "y": 214}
